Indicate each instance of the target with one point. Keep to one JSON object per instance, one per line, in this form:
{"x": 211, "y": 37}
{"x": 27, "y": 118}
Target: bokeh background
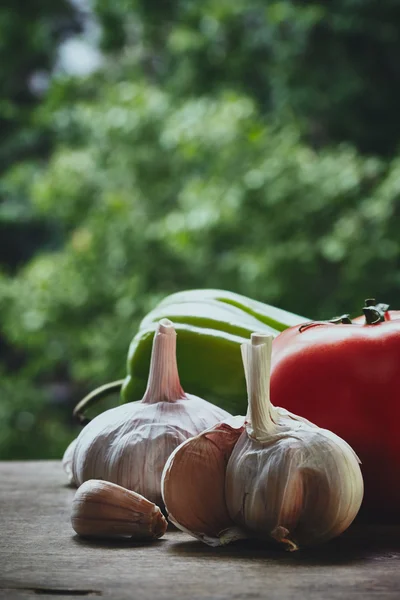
{"x": 151, "y": 146}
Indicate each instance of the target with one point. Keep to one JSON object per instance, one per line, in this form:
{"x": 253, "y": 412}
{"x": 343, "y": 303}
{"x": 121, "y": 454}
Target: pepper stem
{"x": 163, "y": 384}
{"x": 93, "y": 397}
{"x": 257, "y": 367}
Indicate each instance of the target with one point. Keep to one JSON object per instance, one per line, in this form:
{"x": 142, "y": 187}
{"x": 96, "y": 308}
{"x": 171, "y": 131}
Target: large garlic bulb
{"x": 286, "y": 478}
{"x": 130, "y": 444}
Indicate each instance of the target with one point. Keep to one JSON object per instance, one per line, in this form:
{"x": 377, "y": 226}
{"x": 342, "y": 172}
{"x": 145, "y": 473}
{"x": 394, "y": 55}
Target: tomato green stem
{"x": 374, "y": 313}
{"x": 370, "y": 302}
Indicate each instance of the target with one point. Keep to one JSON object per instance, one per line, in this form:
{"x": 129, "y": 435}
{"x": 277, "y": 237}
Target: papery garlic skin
{"x": 129, "y": 445}
{"x": 286, "y": 478}
{"x": 193, "y": 484}
{"x": 104, "y": 510}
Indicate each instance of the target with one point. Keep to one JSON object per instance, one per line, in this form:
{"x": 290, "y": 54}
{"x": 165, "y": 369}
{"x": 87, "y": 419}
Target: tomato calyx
{"x": 342, "y": 320}
{"x": 374, "y": 313}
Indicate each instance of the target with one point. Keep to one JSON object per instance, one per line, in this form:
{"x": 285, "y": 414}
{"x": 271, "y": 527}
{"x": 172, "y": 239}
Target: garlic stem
{"x": 257, "y": 367}
{"x": 163, "y": 384}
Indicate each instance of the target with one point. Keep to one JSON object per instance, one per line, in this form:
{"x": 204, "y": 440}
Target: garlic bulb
{"x": 193, "y": 484}
{"x": 105, "y": 510}
{"x": 276, "y": 476}
{"x": 129, "y": 445}
{"x": 287, "y": 479}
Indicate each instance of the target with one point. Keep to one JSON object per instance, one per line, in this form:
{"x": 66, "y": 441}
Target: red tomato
{"x": 346, "y": 378}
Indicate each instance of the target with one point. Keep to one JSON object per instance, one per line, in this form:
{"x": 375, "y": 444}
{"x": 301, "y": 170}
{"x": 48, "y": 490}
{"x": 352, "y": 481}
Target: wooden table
{"x": 41, "y": 557}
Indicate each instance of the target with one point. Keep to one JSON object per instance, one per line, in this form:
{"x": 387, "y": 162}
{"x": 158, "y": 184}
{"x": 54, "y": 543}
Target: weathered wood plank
{"x": 40, "y": 557}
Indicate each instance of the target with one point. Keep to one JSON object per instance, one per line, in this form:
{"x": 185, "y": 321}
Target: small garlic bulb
{"x": 287, "y": 479}
{"x": 105, "y": 510}
{"x": 193, "y": 484}
{"x": 129, "y": 445}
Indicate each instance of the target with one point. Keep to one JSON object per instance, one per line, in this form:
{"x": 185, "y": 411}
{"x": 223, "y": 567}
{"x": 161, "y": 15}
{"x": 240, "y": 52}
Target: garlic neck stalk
{"x": 163, "y": 384}
{"x": 257, "y": 366}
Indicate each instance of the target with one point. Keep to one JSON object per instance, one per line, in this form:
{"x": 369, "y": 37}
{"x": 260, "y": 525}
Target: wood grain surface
{"x": 41, "y": 557}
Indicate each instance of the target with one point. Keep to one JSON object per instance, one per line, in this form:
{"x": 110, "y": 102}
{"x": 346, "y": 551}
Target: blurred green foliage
{"x": 28, "y": 45}
{"x": 249, "y": 146}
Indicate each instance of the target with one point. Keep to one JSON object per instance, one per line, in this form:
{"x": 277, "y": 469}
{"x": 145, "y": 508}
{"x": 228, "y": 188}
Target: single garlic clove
{"x": 102, "y": 509}
{"x": 67, "y": 462}
{"x": 193, "y": 484}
